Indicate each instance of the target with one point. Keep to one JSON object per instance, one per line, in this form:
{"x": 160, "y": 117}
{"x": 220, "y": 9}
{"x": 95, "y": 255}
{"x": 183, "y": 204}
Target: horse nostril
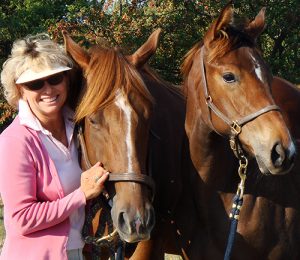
{"x": 122, "y": 222}
{"x": 278, "y": 155}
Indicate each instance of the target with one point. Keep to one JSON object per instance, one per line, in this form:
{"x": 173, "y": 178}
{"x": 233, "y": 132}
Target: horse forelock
{"x": 108, "y": 74}
{"x": 229, "y": 38}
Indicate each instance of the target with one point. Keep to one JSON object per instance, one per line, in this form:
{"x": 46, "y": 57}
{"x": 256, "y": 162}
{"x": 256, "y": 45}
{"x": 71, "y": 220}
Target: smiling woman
{"x": 42, "y": 185}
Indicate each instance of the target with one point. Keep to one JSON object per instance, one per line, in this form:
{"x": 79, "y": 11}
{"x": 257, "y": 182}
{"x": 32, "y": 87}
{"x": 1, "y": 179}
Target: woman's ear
{"x": 21, "y": 92}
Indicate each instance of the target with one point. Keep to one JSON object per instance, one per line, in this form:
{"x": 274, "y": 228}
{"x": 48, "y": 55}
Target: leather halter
{"x": 235, "y": 125}
{"x": 116, "y": 177}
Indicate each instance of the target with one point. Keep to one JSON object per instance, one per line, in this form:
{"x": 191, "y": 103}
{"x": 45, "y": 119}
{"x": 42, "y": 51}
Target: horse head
{"x": 227, "y": 78}
{"x": 116, "y": 109}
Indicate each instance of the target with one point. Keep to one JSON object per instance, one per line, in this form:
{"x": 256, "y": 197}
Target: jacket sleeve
{"x": 18, "y": 186}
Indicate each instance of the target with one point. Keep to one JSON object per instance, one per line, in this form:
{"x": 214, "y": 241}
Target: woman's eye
{"x": 229, "y": 77}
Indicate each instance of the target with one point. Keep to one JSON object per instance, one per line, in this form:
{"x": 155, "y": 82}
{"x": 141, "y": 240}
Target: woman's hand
{"x": 92, "y": 181}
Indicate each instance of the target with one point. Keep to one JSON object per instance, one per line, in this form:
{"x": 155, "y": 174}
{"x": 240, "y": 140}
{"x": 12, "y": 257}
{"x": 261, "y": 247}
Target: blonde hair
{"x": 35, "y": 52}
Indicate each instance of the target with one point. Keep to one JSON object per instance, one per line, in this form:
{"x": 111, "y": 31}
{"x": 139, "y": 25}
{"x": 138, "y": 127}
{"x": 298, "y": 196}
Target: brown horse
{"x": 227, "y": 86}
{"x": 134, "y": 123}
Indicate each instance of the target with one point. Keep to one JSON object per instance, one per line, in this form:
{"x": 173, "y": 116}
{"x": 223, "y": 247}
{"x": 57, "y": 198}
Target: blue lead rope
{"x": 234, "y": 218}
{"x": 236, "y": 206}
{"x": 120, "y": 254}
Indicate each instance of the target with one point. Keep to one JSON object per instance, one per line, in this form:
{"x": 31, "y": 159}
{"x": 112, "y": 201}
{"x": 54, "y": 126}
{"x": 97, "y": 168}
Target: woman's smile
{"x": 50, "y": 100}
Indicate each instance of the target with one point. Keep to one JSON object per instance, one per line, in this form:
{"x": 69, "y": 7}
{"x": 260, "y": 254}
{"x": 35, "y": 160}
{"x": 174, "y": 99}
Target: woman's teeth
{"x": 49, "y": 100}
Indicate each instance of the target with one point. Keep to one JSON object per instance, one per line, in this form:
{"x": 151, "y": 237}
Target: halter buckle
{"x": 232, "y": 144}
{"x": 236, "y": 128}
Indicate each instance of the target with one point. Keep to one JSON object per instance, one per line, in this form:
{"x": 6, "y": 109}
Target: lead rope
{"x": 112, "y": 241}
{"x": 238, "y": 197}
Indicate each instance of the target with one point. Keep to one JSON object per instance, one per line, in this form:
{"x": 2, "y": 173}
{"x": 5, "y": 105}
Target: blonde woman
{"x": 42, "y": 186}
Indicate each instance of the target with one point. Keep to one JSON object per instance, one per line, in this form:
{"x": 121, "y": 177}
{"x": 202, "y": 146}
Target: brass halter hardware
{"x": 243, "y": 164}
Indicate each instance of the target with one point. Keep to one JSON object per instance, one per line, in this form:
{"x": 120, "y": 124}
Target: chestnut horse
{"x": 134, "y": 123}
{"x": 228, "y": 90}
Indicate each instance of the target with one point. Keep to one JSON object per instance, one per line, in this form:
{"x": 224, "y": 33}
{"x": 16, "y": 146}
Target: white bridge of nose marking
{"x": 121, "y": 103}
{"x": 257, "y": 68}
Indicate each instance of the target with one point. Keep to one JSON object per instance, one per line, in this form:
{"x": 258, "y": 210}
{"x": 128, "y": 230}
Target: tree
{"x": 128, "y": 23}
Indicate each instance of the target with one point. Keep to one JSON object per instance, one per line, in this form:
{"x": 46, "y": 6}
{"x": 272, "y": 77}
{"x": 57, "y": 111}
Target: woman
{"x": 42, "y": 186}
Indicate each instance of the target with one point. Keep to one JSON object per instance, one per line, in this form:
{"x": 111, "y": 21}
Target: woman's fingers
{"x": 102, "y": 178}
{"x": 92, "y": 180}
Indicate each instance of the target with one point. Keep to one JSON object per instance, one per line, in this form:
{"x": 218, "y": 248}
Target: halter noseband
{"x": 116, "y": 177}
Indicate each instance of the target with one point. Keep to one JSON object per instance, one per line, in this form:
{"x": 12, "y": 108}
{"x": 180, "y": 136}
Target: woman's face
{"x": 46, "y": 96}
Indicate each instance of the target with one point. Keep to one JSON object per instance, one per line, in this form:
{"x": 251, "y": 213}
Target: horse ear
{"x": 143, "y": 54}
{"x": 221, "y": 23}
{"x": 77, "y": 52}
{"x": 256, "y": 27}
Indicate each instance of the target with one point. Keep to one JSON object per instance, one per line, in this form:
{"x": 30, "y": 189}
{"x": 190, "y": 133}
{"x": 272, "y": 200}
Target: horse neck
{"x": 207, "y": 148}
{"x": 209, "y": 151}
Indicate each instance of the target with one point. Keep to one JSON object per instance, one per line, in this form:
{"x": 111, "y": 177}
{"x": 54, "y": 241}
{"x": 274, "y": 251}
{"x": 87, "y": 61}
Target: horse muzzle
{"x": 280, "y": 162}
{"x": 132, "y": 225}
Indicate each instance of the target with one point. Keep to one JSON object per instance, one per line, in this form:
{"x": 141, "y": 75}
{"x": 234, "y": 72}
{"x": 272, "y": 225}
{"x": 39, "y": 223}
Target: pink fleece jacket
{"x": 35, "y": 209}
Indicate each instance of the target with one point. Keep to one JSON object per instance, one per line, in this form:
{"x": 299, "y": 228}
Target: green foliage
{"x": 20, "y": 18}
{"x": 128, "y": 24}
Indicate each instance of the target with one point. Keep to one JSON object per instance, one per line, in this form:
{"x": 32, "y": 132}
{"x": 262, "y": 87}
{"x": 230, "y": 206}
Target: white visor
{"x": 30, "y": 75}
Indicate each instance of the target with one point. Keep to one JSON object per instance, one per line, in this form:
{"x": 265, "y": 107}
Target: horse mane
{"x": 225, "y": 40}
{"x": 189, "y": 57}
{"x": 108, "y": 74}
{"x": 188, "y": 63}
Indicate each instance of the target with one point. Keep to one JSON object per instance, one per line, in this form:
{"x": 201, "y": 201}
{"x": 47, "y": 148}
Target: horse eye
{"x": 92, "y": 121}
{"x": 229, "y": 77}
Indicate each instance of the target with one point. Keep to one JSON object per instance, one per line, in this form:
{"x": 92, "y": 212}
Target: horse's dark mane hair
{"x": 108, "y": 73}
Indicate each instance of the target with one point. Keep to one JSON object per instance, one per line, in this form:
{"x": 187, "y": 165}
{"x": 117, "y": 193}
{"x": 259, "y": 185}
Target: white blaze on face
{"x": 121, "y": 103}
{"x": 257, "y": 68}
